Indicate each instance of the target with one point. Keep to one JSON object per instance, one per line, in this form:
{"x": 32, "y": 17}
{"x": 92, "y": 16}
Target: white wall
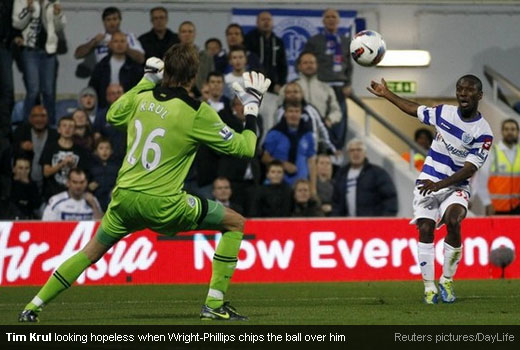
{"x": 461, "y": 38}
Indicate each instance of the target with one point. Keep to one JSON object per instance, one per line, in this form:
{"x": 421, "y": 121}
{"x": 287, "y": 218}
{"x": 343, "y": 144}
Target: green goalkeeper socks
{"x": 224, "y": 264}
{"x": 60, "y": 280}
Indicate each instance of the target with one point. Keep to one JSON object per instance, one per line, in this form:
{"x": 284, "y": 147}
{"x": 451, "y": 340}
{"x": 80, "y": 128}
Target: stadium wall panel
{"x": 292, "y": 250}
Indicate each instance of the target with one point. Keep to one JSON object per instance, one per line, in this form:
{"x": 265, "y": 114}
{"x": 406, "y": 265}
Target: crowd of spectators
{"x": 64, "y": 167}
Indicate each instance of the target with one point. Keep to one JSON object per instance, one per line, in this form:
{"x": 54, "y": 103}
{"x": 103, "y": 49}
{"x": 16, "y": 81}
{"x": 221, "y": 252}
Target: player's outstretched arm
{"x": 381, "y": 90}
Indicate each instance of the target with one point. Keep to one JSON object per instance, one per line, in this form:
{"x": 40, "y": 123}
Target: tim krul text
{"x": 187, "y": 338}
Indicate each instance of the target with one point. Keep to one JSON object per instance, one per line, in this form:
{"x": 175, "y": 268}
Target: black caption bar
{"x": 231, "y": 336}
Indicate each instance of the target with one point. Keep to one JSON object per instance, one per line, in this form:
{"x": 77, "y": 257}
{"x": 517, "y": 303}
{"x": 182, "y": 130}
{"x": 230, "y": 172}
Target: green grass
{"x": 479, "y": 302}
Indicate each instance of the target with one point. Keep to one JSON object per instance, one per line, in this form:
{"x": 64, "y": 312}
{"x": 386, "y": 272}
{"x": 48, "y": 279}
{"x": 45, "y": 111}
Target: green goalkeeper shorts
{"x": 131, "y": 211}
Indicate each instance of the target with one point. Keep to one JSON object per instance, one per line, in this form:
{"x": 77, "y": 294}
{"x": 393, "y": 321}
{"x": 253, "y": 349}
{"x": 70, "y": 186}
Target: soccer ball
{"x": 367, "y": 48}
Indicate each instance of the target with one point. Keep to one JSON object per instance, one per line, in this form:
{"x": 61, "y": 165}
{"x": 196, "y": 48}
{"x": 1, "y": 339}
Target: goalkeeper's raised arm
{"x": 208, "y": 128}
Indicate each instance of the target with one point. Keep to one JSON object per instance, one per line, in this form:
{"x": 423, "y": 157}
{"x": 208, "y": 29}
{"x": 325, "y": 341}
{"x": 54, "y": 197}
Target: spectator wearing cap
{"x": 88, "y": 101}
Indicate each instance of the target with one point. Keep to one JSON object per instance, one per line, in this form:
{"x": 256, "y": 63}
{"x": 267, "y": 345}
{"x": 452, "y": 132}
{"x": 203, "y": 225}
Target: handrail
{"x": 414, "y": 147}
{"x": 494, "y": 78}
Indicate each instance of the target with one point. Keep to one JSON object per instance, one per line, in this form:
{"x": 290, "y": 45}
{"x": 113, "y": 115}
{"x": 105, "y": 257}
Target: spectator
{"x": 216, "y": 98}
{"x": 238, "y": 61}
{"x": 243, "y": 173}
{"x": 291, "y": 142}
{"x": 6, "y": 67}
{"x": 159, "y": 38}
{"x": 222, "y": 194}
{"x": 424, "y": 138}
{"x": 235, "y": 37}
{"x": 274, "y": 198}
{"x": 117, "y": 67}
{"x": 498, "y": 181}
{"x": 310, "y": 115}
{"x": 204, "y": 93}
{"x": 88, "y": 101}
{"x": 30, "y": 139}
{"x": 104, "y": 129}
{"x": 103, "y": 173}
{"x": 25, "y": 199}
{"x": 187, "y": 33}
{"x": 304, "y": 204}
{"x": 40, "y": 22}
{"x": 332, "y": 51}
{"x": 75, "y": 203}
{"x": 213, "y": 46}
{"x": 270, "y": 48}
{"x": 362, "y": 188}
{"x": 83, "y": 135}
{"x": 113, "y": 92}
{"x": 59, "y": 157}
{"x": 317, "y": 93}
{"x": 100, "y": 43}
{"x": 324, "y": 183}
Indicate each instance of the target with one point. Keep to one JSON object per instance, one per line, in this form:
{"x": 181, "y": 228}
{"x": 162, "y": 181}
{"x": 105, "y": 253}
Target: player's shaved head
{"x": 181, "y": 63}
{"x": 472, "y": 79}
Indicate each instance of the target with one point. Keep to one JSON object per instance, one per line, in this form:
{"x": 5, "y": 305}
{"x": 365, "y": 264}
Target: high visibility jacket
{"x": 418, "y": 160}
{"x": 504, "y": 181}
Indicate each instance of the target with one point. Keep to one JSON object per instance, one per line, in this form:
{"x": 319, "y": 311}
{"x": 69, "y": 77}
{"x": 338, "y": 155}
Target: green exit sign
{"x": 402, "y": 87}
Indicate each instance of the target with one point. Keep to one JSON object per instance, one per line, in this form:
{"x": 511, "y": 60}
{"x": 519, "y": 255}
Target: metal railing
{"x": 370, "y": 113}
{"x": 497, "y": 81}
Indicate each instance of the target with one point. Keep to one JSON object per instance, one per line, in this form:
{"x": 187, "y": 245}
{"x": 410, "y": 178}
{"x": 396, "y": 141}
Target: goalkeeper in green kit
{"x": 164, "y": 127}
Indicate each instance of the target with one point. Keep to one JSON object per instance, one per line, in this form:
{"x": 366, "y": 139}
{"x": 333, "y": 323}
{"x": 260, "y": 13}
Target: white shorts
{"x": 433, "y": 206}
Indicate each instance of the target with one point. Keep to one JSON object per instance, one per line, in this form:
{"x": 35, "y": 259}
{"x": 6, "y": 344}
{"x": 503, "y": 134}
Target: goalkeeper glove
{"x": 255, "y": 86}
{"x": 154, "y": 69}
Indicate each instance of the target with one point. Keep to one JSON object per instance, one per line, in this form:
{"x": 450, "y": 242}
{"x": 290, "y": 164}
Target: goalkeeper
{"x": 164, "y": 127}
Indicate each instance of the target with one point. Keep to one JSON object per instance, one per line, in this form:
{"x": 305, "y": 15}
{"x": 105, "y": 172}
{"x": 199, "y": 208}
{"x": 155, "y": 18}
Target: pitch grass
{"x": 479, "y": 302}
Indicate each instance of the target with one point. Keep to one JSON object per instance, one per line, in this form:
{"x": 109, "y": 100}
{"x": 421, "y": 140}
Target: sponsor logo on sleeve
{"x": 225, "y": 133}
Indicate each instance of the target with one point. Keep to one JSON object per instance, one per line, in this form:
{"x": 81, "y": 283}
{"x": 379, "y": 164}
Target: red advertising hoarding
{"x": 272, "y": 251}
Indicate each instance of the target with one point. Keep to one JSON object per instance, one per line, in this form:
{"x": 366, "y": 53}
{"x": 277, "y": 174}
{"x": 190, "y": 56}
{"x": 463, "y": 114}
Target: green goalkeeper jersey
{"x": 164, "y": 127}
